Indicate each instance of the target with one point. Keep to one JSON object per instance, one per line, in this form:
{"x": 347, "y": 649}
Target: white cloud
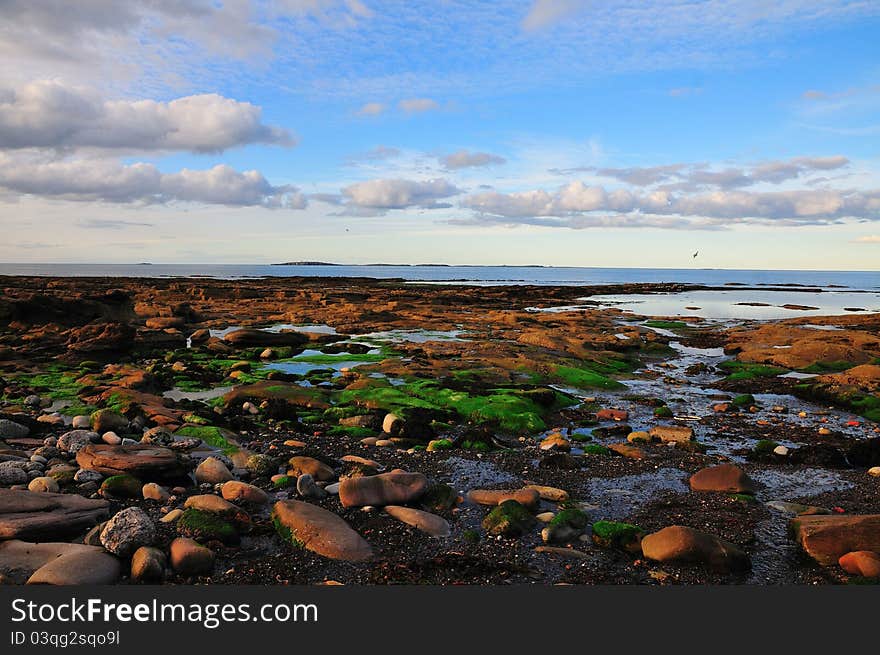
{"x": 544, "y": 13}
{"x": 868, "y": 238}
{"x": 50, "y": 114}
{"x": 111, "y": 181}
{"x": 372, "y": 109}
{"x": 418, "y": 105}
{"x": 467, "y": 159}
{"x": 713, "y": 209}
{"x": 384, "y": 194}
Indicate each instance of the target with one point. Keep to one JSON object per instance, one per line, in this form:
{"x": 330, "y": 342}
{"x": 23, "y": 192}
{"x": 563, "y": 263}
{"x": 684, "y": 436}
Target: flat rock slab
{"x": 20, "y": 559}
{"x": 724, "y": 477}
{"x": 826, "y": 538}
{"x": 671, "y": 433}
{"x": 92, "y": 567}
{"x": 320, "y": 531}
{"x": 492, "y": 497}
{"x": 144, "y": 461}
{"x": 431, "y": 524}
{"x": 31, "y": 515}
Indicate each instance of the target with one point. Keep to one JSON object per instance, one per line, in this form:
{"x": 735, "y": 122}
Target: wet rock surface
{"x": 441, "y": 436}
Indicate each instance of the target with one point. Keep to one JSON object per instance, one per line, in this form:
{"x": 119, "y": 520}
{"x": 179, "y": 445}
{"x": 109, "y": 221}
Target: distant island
{"x": 306, "y": 264}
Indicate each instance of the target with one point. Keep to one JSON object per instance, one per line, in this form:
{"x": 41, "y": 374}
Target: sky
{"x": 628, "y": 133}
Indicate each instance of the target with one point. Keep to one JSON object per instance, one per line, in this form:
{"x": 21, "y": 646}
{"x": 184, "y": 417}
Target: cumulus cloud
{"x": 467, "y": 159}
{"x": 385, "y": 194}
{"x": 50, "y": 114}
{"x": 418, "y": 105}
{"x": 111, "y": 181}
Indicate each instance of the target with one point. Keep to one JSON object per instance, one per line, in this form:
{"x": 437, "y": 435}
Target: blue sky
{"x": 569, "y": 132}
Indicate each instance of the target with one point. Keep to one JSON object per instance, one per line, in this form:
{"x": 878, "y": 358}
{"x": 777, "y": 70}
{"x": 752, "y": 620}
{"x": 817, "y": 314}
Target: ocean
{"x": 484, "y": 275}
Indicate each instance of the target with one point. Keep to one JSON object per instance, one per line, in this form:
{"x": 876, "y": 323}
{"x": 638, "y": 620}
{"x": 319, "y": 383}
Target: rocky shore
{"x": 358, "y": 431}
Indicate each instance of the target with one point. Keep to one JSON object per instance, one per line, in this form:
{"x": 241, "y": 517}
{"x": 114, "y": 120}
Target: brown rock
{"x": 624, "y": 449}
{"x": 682, "y": 544}
{"x": 316, "y": 468}
{"x": 319, "y": 531}
{"x": 29, "y": 515}
{"x": 189, "y": 557}
{"x": 212, "y": 471}
{"x": 141, "y": 461}
{"x": 552, "y": 494}
{"x": 148, "y": 564}
{"x": 865, "y": 563}
{"x": 725, "y": 477}
{"x": 91, "y": 567}
{"x": 671, "y": 433}
{"x": 826, "y": 538}
{"x": 394, "y": 488}
{"x": 526, "y": 497}
{"x": 555, "y": 442}
{"x": 612, "y": 415}
{"x": 243, "y": 492}
{"x": 431, "y": 524}
{"x": 19, "y": 559}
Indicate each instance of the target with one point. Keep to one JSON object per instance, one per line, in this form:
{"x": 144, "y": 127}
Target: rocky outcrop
{"x": 29, "y": 515}
{"x": 142, "y": 461}
{"x": 827, "y": 538}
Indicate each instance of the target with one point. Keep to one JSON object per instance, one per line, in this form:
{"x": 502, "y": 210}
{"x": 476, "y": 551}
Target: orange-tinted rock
{"x": 682, "y": 544}
{"x": 431, "y": 524}
{"x": 41, "y": 516}
{"x": 826, "y": 538}
{"x": 624, "y": 449}
{"x": 319, "y": 531}
{"x": 527, "y": 497}
{"x": 300, "y": 465}
{"x": 865, "y": 563}
{"x": 612, "y": 415}
{"x": 394, "y": 488}
{"x": 670, "y": 433}
{"x": 141, "y": 461}
{"x": 725, "y": 477}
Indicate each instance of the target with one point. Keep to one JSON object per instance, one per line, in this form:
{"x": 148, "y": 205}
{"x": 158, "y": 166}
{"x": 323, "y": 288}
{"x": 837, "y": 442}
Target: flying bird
{"x": 695, "y": 254}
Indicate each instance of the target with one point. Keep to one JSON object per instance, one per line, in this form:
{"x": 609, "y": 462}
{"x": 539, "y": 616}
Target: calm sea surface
{"x": 470, "y": 274}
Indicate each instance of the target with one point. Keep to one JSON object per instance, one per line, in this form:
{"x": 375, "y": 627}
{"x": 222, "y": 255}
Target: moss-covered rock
{"x": 744, "y": 400}
{"x": 439, "y": 444}
{"x": 122, "y": 486}
{"x": 206, "y": 526}
{"x": 663, "y": 412}
{"x": 439, "y": 497}
{"x": 613, "y": 534}
{"x": 509, "y": 519}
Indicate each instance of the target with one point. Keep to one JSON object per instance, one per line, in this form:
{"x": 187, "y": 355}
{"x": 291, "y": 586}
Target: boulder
{"x": 148, "y": 564}
{"x": 212, "y": 471}
{"x": 106, "y": 420}
{"x": 188, "y": 557}
{"x": 29, "y": 515}
{"x": 678, "y": 543}
{"x": 127, "y": 531}
{"x": 142, "y": 461}
{"x": 865, "y": 563}
{"x": 527, "y": 497}
{"x": 431, "y": 524}
{"x": 394, "y": 488}
{"x": 300, "y": 465}
{"x": 509, "y": 519}
{"x": 392, "y": 424}
{"x": 243, "y": 492}
{"x": 43, "y": 484}
{"x": 826, "y": 538}
{"x": 75, "y": 440}
{"x": 725, "y": 477}
{"x": 319, "y": 531}
{"x": 12, "y": 430}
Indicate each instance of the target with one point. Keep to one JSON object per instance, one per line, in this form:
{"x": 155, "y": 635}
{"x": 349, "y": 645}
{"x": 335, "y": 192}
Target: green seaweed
{"x": 209, "y": 434}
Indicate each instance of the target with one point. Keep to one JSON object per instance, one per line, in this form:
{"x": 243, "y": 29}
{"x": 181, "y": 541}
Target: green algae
{"x": 737, "y": 370}
{"x": 614, "y": 534}
{"x": 209, "y": 434}
{"x": 206, "y": 526}
{"x": 666, "y": 325}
